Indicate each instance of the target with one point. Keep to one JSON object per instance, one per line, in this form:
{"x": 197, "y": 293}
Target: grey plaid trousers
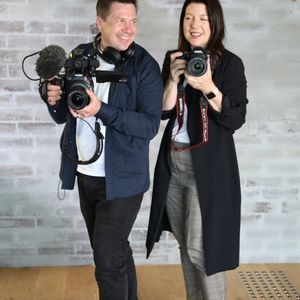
{"x": 185, "y": 218}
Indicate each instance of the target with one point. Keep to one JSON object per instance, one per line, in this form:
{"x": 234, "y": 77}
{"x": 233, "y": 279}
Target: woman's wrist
{"x": 210, "y": 89}
{"x": 211, "y": 93}
{"x": 171, "y": 81}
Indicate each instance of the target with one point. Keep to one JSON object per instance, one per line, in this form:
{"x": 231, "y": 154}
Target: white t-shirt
{"x": 85, "y": 138}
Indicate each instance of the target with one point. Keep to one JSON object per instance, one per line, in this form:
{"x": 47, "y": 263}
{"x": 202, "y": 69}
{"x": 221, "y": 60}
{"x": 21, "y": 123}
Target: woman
{"x": 196, "y": 190}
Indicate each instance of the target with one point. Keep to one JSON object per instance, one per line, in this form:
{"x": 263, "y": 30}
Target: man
{"x": 111, "y": 189}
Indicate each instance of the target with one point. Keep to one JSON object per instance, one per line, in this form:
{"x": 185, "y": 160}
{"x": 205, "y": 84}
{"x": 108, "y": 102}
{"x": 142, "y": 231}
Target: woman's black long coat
{"x": 215, "y": 166}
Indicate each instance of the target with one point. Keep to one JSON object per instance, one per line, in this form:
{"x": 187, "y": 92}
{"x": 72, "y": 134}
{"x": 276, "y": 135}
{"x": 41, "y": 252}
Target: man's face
{"x": 118, "y": 30}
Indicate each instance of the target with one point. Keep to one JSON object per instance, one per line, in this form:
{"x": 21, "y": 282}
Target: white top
{"x": 85, "y": 138}
{"x": 182, "y": 136}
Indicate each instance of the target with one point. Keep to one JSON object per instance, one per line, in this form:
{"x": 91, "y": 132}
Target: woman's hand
{"x": 203, "y": 83}
{"x": 177, "y": 67}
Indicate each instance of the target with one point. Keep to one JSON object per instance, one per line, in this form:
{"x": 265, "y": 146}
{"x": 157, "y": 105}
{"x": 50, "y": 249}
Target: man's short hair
{"x": 103, "y": 6}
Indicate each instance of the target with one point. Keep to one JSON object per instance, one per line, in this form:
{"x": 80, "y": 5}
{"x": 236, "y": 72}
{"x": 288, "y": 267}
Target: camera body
{"x": 197, "y": 61}
{"x": 77, "y": 76}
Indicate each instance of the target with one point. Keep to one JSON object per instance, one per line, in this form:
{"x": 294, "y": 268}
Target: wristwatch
{"x": 211, "y": 94}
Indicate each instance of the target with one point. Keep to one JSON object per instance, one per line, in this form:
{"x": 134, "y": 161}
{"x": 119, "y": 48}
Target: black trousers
{"x": 109, "y": 223}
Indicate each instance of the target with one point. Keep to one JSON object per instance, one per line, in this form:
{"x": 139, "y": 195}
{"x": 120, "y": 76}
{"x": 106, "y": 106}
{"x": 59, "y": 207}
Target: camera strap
{"x": 99, "y": 144}
{"x": 180, "y": 110}
{"x": 66, "y": 151}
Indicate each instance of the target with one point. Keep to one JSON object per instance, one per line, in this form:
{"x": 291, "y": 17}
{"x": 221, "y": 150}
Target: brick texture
{"x": 36, "y": 228}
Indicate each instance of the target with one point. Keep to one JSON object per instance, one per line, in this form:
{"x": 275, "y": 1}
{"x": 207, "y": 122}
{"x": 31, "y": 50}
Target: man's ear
{"x": 99, "y": 22}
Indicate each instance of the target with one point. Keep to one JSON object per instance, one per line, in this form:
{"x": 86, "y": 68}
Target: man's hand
{"x": 53, "y": 94}
{"x": 90, "y": 110}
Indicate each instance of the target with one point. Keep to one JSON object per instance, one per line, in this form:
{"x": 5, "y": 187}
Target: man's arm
{"x": 144, "y": 121}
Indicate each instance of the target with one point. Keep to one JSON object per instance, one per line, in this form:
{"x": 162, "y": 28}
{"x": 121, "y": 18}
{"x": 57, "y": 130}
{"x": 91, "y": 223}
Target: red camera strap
{"x": 180, "y": 110}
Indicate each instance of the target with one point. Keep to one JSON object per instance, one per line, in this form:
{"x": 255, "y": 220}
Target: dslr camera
{"x": 197, "y": 61}
{"x": 79, "y": 71}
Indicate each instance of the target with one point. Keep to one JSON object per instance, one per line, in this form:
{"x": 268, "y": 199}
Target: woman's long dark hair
{"x": 217, "y": 27}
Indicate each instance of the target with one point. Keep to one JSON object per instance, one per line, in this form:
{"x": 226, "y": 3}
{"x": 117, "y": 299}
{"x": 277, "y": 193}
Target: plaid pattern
{"x": 185, "y": 218}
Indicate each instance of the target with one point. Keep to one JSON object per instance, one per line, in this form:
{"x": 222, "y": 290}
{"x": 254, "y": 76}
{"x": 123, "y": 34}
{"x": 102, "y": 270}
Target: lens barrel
{"x": 78, "y": 98}
{"x": 197, "y": 66}
{"x": 76, "y": 86}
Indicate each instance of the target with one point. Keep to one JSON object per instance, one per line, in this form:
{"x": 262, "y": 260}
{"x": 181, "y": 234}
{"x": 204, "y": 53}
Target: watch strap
{"x": 211, "y": 94}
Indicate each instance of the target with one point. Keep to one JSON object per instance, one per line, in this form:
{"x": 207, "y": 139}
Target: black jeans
{"x": 109, "y": 223}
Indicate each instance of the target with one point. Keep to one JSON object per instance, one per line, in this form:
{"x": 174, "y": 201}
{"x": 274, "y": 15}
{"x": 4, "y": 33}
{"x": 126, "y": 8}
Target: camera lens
{"x": 78, "y": 98}
{"x": 197, "y": 66}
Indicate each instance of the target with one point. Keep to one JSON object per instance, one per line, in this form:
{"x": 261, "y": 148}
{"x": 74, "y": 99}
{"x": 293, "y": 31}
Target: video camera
{"x": 73, "y": 74}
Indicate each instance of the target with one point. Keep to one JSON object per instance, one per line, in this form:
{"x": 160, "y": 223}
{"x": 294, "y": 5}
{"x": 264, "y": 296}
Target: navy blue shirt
{"x": 132, "y": 117}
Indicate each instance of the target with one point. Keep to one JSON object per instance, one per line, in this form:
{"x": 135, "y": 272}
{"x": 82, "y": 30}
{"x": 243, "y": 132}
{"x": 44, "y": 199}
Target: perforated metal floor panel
{"x": 268, "y": 285}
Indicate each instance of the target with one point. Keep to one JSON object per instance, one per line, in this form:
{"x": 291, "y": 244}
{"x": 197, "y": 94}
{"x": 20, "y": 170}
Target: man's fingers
{"x": 52, "y": 87}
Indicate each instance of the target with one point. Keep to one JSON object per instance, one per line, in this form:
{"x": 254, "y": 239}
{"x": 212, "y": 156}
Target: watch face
{"x": 210, "y": 95}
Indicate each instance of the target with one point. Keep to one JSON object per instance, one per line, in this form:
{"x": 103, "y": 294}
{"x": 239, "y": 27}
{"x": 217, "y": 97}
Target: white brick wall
{"x": 38, "y": 229}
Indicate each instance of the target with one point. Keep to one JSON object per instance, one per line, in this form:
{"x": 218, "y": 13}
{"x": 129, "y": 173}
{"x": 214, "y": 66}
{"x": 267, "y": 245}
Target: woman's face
{"x": 196, "y": 27}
